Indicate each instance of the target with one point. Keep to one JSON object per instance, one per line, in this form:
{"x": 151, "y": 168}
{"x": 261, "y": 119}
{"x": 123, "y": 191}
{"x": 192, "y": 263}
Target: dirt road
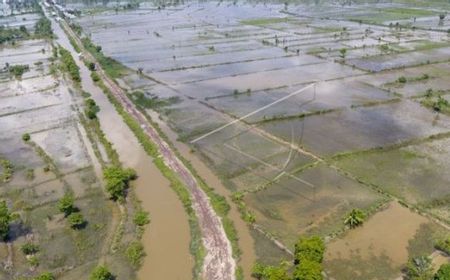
{"x": 219, "y": 263}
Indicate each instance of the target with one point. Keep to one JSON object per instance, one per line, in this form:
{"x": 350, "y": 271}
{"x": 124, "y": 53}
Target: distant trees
{"x": 101, "y": 273}
{"x": 355, "y": 218}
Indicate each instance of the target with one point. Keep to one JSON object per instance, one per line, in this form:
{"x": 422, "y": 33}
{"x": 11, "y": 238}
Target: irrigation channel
{"x": 219, "y": 262}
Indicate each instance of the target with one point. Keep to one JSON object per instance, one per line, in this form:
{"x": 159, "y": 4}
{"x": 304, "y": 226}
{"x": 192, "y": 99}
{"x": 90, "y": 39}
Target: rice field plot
{"x": 384, "y": 62}
{"x": 247, "y": 159}
{"x": 288, "y": 208}
{"x": 362, "y": 128}
{"x": 233, "y": 69}
{"x": 416, "y": 173}
{"x": 267, "y": 79}
{"x": 325, "y": 96}
{"x": 27, "y": 19}
{"x": 418, "y": 79}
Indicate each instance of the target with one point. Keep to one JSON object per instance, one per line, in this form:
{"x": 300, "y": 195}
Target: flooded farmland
{"x": 300, "y": 121}
{"x": 293, "y": 164}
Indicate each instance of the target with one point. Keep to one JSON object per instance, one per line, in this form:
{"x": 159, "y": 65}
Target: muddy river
{"x": 166, "y": 240}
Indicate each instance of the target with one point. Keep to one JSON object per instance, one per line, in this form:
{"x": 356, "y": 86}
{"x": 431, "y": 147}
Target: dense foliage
{"x": 308, "y": 258}
{"x": 101, "y": 273}
{"x": 43, "y": 28}
{"x": 11, "y": 34}
{"x": 5, "y": 220}
{"x": 117, "y": 180}
{"x": 69, "y": 65}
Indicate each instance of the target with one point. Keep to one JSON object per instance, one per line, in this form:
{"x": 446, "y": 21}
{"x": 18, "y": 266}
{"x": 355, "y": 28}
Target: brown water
{"x": 246, "y": 242}
{"x": 166, "y": 240}
{"x": 387, "y": 232}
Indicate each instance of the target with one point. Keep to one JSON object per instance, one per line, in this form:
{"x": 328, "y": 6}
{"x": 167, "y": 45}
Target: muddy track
{"x": 218, "y": 263}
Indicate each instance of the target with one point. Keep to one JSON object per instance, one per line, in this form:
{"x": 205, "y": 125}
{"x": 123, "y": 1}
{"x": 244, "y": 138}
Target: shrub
{"x": 135, "y": 253}
{"x": 26, "y": 137}
{"x": 101, "y": 273}
{"x": 443, "y": 273}
{"x": 76, "y": 220}
{"x": 29, "y": 248}
{"x": 311, "y": 248}
{"x": 443, "y": 245}
{"x": 5, "y": 219}
{"x": 401, "y": 79}
{"x": 141, "y": 218}
{"x": 65, "y": 204}
{"x": 355, "y": 218}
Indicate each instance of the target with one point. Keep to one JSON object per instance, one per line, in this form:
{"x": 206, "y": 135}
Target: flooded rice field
{"x": 304, "y": 113}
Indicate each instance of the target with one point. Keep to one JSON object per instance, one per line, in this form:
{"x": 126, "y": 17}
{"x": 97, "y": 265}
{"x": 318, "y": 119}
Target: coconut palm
{"x": 355, "y": 218}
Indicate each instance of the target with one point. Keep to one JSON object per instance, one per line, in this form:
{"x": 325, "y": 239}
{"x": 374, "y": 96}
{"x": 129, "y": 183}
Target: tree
{"x": 5, "y": 219}
{"x": 443, "y": 273}
{"x": 343, "y": 52}
{"x": 45, "y": 276}
{"x": 26, "y": 137}
{"x": 91, "y": 66}
{"x": 419, "y": 268}
{"x": 65, "y": 204}
{"x": 355, "y": 218}
{"x": 311, "y": 248}
{"x": 101, "y": 273}
{"x": 76, "y": 220}
{"x": 117, "y": 180}
{"x": 308, "y": 270}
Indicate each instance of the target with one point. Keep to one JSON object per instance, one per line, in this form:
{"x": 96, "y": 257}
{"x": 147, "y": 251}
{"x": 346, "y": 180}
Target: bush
{"x": 76, "y": 220}
{"x": 18, "y": 70}
{"x": 26, "y": 137}
{"x": 308, "y": 270}
{"x": 91, "y": 66}
{"x": 311, "y": 248}
{"x": 141, "y": 218}
{"x": 29, "y": 248}
{"x": 135, "y": 253}
{"x": 91, "y": 108}
{"x": 95, "y": 77}
{"x": 443, "y": 245}
{"x": 65, "y": 204}
{"x": 101, "y": 273}
{"x": 69, "y": 65}
{"x": 5, "y": 220}
{"x": 443, "y": 273}
{"x": 402, "y": 80}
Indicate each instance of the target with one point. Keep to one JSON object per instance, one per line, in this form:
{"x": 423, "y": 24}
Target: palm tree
{"x": 355, "y": 218}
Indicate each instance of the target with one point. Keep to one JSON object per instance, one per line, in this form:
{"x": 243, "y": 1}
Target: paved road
{"x": 219, "y": 263}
